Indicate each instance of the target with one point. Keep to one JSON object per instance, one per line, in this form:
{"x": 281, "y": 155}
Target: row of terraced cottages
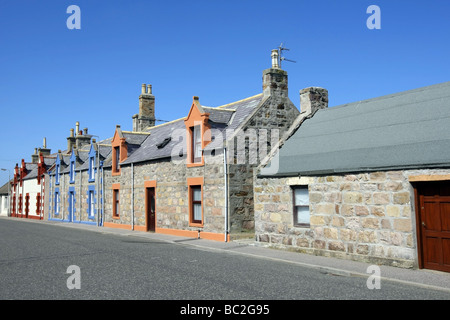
{"x": 192, "y": 176}
{"x": 367, "y": 181}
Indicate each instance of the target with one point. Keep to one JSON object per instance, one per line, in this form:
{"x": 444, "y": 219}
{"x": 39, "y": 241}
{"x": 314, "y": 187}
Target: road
{"x": 36, "y": 260}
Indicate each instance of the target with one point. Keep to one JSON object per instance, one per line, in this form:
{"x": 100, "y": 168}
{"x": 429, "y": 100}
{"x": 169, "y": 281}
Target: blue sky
{"x": 51, "y": 77}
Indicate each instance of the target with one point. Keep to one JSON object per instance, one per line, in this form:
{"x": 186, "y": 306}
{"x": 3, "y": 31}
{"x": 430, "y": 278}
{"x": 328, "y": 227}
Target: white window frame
{"x": 300, "y": 201}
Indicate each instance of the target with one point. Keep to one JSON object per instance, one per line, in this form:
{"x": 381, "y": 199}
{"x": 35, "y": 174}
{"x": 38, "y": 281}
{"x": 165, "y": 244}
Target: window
{"x": 72, "y": 172}
{"x": 196, "y": 207}
{"x": 57, "y": 202}
{"x": 196, "y": 144}
{"x": 91, "y": 169}
{"x": 57, "y": 174}
{"x": 14, "y": 204}
{"x": 116, "y": 203}
{"x": 301, "y": 206}
{"x": 195, "y": 194}
{"x": 20, "y": 203}
{"x": 91, "y": 203}
{"x": 116, "y": 155}
{"x": 38, "y": 203}
{"x": 27, "y": 204}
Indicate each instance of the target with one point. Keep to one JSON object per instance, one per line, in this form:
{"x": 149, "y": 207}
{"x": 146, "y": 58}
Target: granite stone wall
{"x": 172, "y": 198}
{"x": 367, "y": 216}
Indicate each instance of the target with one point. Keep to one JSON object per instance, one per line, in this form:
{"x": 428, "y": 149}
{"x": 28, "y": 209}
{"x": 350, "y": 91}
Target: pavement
{"x": 418, "y": 277}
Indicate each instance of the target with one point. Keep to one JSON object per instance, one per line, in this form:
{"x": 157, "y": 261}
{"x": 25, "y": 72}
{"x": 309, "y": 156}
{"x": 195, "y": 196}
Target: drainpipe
{"x": 97, "y": 182}
{"x": 50, "y": 199}
{"x": 132, "y": 196}
{"x": 225, "y": 171}
{"x": 103, "y": 194}
{"x": 80, "y": 195}
{"x": 40, "y": 206}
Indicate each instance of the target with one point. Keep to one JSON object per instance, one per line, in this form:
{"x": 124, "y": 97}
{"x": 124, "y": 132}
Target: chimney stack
{"x": 313, "y": 99}
{"x": 44, "y": 151}
{"x": 70, "y": 141}
{"x": 146, "y": 116}
{"x": 35, "y": 156}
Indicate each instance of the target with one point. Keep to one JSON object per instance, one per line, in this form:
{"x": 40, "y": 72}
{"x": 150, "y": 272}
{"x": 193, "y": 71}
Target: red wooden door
{"x": 434, "y": 224}
{"x": 150, "y": 208}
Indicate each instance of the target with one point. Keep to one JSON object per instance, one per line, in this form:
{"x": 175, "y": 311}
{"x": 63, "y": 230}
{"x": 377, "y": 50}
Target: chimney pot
{"x": 85, "y": 131}
{"x": 143, "y": 88}
{"x": 149, "y": 89}
{"x": 275, "y": 63}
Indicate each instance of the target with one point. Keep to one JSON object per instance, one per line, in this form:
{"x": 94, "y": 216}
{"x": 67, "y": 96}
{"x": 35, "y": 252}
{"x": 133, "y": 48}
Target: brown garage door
{"x": 434, "y": 225}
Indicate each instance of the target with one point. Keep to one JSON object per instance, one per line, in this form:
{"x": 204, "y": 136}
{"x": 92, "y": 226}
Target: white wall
{"x": 32, "y": 188}
{"x": 3, "y": 205}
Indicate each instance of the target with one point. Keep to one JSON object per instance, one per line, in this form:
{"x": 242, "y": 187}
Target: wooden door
{"x": 150, "y": 208}
{"x": 434, "y": 225}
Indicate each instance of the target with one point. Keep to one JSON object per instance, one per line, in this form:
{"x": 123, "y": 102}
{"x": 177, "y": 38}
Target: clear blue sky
{"x": 51, "y": 77}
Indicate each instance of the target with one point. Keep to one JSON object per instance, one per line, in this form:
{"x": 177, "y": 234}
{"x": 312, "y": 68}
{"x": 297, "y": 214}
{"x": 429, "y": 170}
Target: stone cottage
{"x": 194, "y": 176}
{"x": 74, "y": 183}
{"x": 367, "y": 181}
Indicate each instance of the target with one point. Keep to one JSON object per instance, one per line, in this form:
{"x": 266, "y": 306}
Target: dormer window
{"x": 72, "y": 172}
{"x": 91, "y": 169}
{"x": 119, "y": 151}
{"x": 116, "y": 156}
{"x": 57, "y": 174}
{"x": 196, "y": 144}
{"x": 196, "y": 125}
{"x": 72, "y": 160}
{"x": 92, "y": 161}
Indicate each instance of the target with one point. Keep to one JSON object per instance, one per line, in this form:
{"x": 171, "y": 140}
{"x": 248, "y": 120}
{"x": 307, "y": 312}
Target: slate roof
{"x": 32, "y": 170}
{"x": 80, "y": 160}
{"x": 229, "y": 116}
{"x": 5, "y": 188}
{"x": 105, "y": 150}
{"x": 399, "y": 131}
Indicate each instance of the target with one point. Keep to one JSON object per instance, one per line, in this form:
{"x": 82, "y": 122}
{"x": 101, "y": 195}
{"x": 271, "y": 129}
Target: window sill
{"x": 302, "y": 226}
{"x": 196, "y": 224}
{"x": 195, "y": 164}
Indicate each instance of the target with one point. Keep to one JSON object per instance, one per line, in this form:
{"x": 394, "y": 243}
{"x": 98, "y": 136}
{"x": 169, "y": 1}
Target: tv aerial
{"x": 280, "y": 54}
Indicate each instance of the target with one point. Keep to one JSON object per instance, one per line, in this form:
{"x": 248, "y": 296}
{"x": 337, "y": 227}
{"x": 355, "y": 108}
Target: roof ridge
{"x": 136, "y": 132}
{"x": 231, "y": 110}
{"x": 239, "y": 101}
{"x": 163, "y": 124}
{"x": 395, "y": 94}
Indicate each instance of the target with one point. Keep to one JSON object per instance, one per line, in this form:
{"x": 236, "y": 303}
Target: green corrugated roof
{"x": 410, "y": 129}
